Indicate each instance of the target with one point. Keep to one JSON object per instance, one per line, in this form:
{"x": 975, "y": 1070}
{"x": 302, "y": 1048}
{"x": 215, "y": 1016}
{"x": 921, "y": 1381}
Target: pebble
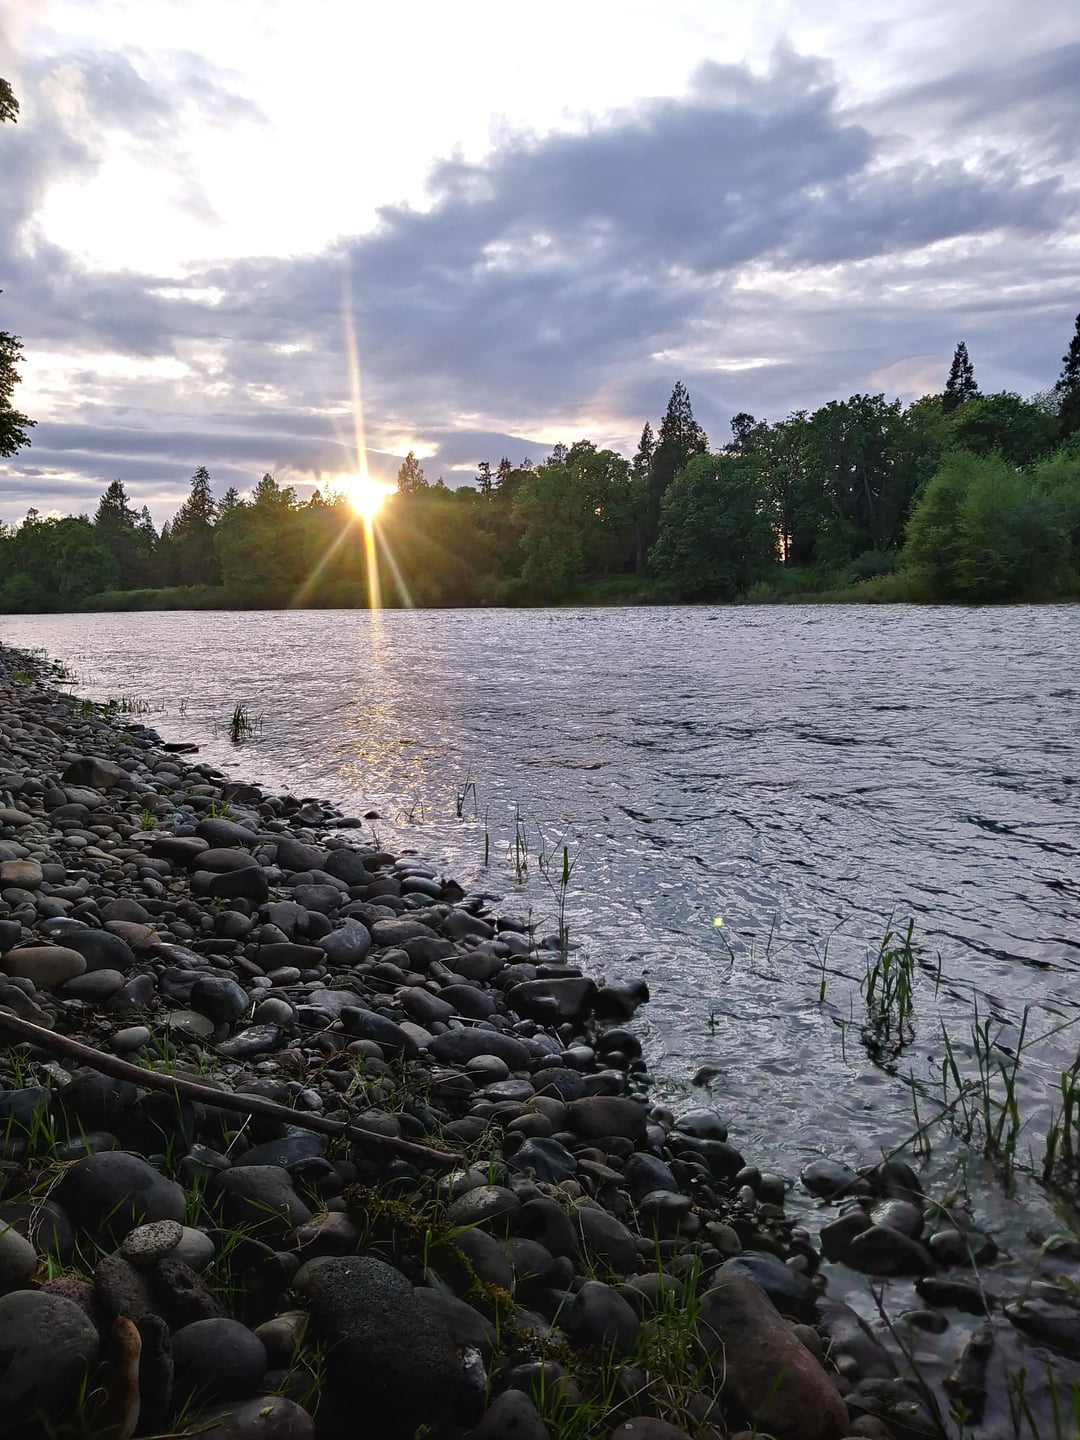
{"x": 147, "y": 1243}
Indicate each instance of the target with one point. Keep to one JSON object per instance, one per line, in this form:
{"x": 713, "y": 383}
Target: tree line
{"x": 957, "y": 496}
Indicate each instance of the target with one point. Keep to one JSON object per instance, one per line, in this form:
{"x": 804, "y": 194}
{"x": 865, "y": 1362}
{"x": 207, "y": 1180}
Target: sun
{"x": 366, "y": 496}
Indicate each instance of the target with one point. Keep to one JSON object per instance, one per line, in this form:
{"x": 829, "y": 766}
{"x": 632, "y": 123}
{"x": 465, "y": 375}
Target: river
{"x": 745, "y": 795}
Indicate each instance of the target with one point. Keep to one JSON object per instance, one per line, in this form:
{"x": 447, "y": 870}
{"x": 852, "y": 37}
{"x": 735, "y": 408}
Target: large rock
{"x": 218, "y": 832}
{"x": 513, "y": 1416}
{"x": 389, "y": 1036}
{"x": 561, "y": 999}
{"x": 791, "y": 1293}
{"x": 217, "y": 1360}
{"x": 261, "y": 1199}
{"x": 269, "y": 1417}
{"x": 606, "y": 1242}
{"x": 601, "y": 1318}
{"x": 602, "y": 1117}
{"x": 108, "y": 1194}
{"x": 457, "y": 1047}
{"x": 98, "y": 774}
{"x": 101, "y": 950}
{"x": 390, "y": 1358}
{"x": 347, "y": 945}
{"x": 881, "y": 1250}
{"x": 48, "y": 1346}
{"x": 768, "y": 1372}
{"x": 45, "y": 965}
{"x": 296, "y": 857}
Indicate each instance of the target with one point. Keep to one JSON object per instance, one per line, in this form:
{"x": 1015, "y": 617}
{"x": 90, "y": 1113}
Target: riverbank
{"x": 557, "y": 1258}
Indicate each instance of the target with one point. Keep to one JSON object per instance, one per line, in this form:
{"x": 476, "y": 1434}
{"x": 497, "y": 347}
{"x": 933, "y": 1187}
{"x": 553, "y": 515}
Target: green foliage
{"x": 195, "y": 560}
{"x": 818, "y": 505}
{"x": 9, "y": 106}
{"x": 1067, "y": 388}
{"x": 13, "y": 424}
{"x": 985, "y": 531}
{"x": 1019, "y": 430}
{"x": 715, "y": 533}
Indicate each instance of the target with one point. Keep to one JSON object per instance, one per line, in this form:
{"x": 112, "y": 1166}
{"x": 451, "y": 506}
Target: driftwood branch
{"x": 177, "y": 1085}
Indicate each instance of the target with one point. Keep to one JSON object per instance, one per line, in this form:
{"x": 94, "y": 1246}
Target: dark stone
{"x": 179, "y": 849}
{"x": 601, "y": 1317}
{"x": 20, "y": 1109}
{"x": 469, "y": 1001}
{"x": 261, "y": 1199}
{"x": 217, "y": 1360}
{"x": 48, "y": 1346}
{"x": 605, "y": 1241}
{"x": 884, "y": 1251}
{"x": 644, "y": 1174}
{"x": 295, "y": 857}
{"x": 108, "y": 1194}
{"x": 962, "y": 1295}
{"x": 391, "y": 1359}
{"x": 558, "y": 1000}
{"x": 390, "y": 1037}
{"x": 218, "y": 832}
{"x": 155, "y": 1375}
{"x": 184, "y": 1297}
{"x": 1056, "y": 1326}
{"x": 348, "y": 865}
{"x": 457, "y": 1047}
{"x": 467, "y": 1326}
{"x": 597, "y": 1117}
{"x": 269, "y": 1417}
{"x": 492, "y": 1206}
{"x": 101, "y": 950}
{"x": 219, "y": 998}
{"x": 248, "y": 884}
{"x": 120, "y": 1289}
{"x": 511, "y": 1416}
{"x": 546, "y": 1158}
{"x": 791, "y": 1293}
{"x": 831, "y": 1177}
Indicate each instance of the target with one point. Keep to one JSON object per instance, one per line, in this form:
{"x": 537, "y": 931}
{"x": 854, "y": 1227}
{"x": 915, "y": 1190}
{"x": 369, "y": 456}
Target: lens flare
{"x": 366, "y": 496}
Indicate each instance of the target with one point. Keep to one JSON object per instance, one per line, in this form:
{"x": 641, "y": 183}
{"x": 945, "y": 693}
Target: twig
{"x": 221, "y": 1099}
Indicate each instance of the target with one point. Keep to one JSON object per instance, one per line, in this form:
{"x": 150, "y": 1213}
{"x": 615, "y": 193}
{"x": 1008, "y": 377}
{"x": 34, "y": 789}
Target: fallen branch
{"x": 221, "y": 1099}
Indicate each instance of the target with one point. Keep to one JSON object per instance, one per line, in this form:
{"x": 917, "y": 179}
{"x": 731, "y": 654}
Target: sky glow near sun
{"x": 542, "y": 218}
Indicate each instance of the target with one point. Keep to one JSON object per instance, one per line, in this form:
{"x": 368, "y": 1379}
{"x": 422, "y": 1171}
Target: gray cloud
{"x": 755, "y": 218}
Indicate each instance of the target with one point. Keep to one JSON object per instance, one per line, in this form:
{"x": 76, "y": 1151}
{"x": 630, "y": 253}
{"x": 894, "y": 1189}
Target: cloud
{"x": 755, "y": 237}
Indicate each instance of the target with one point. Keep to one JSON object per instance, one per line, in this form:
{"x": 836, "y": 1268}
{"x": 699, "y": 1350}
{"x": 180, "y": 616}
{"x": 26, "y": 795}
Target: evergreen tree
{"x": 114, "y": 512}
{"x": 679, "y": 439}
{"x": 485, "y": 482}
{"x": 960, "y": 386}
{"x": 122, "y": 530}
{"x": 643, "y": 456}
{"x": 410, "y": 476}
{"x": 193, "y": 534}
{"x": 229, "y": 501}
{"x": 1068, "y": 387}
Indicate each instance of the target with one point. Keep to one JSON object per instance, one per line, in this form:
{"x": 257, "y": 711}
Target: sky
{"x": 257, "y": 234}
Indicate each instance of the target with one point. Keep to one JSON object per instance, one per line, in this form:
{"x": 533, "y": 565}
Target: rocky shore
{"x": 349, "y": 1156}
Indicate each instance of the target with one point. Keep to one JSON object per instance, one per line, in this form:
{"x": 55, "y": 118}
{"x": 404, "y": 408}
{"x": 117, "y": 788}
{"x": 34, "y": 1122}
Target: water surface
{"x": 801, "y": 774}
